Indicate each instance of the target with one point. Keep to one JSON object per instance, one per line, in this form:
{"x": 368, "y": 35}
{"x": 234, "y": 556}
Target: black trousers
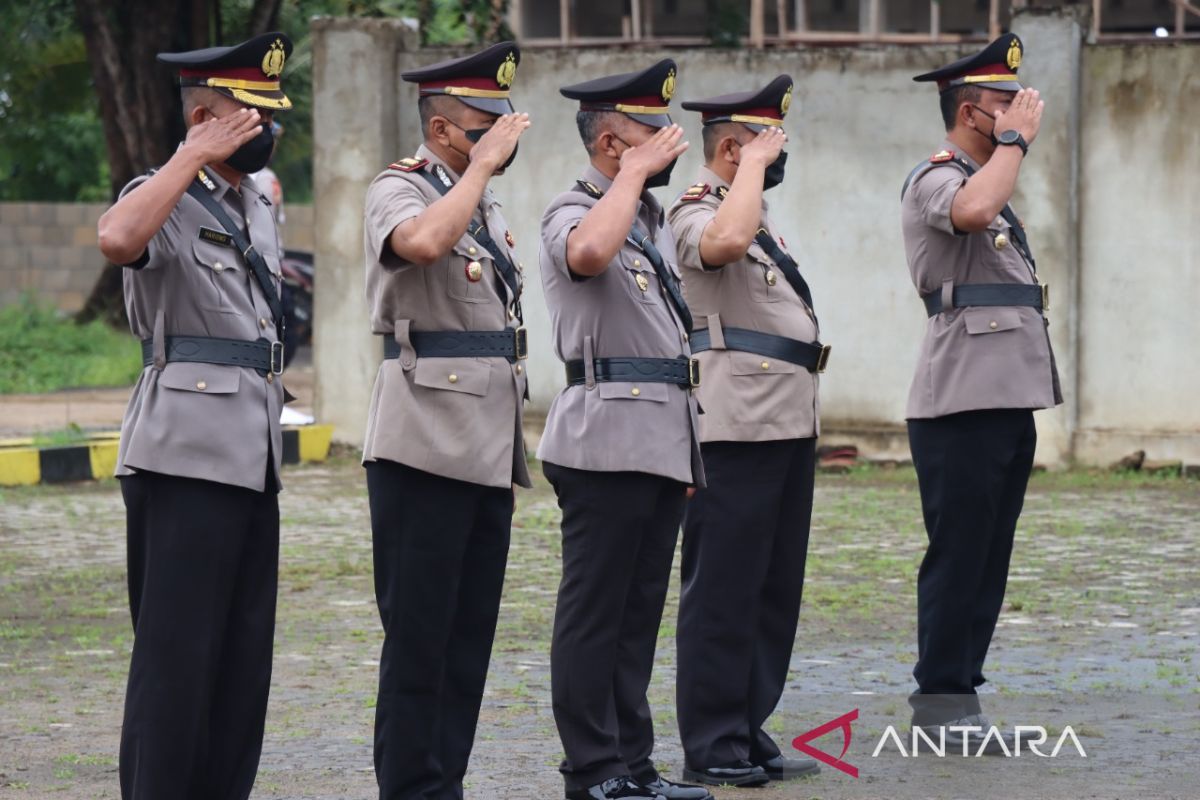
{"x": 745, "y": 542}
{"x": 972, "y": 469}
{"x": 440, "y": 549}
{"x": 619, "y": 531}
{"x": 203, "y": 567}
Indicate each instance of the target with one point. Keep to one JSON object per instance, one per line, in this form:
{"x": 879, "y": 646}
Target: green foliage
{"x": 51, "y": 139}
{"x": 42, "y": 352}
{"x": 726, "y": 21}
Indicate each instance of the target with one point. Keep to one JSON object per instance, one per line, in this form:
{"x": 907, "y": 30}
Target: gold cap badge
{"x": 786, "y": 102}
{"x": 668, "y": 87}
{"x": 1014, "y": 54}
{"x": 507, "y": 72}
{"x": 272, "y": 63}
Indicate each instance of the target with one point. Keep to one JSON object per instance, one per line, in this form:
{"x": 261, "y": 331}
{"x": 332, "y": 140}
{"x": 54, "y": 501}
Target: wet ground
{"x": 1099, "y": 633}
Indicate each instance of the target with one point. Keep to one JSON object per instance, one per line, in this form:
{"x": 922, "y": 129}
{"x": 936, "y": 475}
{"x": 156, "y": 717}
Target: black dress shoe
{"x": 613, "y": 788}
{"x": 737, "y": 773}
{"x": 785, "y": 769}
{"x": 677, "y": 791}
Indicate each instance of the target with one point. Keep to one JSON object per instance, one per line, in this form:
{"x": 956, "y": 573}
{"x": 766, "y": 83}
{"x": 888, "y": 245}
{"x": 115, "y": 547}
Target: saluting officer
{"x": 200, "y": 444}
{"x": 745, "y": 537}
{"x": 443, "y": 444}
{"x": 985, "y": 364}
{"x": 620, "y": 445}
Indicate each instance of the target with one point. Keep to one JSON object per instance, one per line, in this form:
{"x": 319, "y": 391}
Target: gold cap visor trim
{"x": 251, "y": 99}
{"x": 466, "y": 91}
{"x": 626, "y": 109}
{"x": 988, "y": 78}
{"x": 235, "y": 83}
{"x": 774, "y": 123}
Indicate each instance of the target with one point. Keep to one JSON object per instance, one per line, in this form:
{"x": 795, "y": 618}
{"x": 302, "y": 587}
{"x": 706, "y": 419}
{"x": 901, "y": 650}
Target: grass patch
{"x": 41, "y": 351}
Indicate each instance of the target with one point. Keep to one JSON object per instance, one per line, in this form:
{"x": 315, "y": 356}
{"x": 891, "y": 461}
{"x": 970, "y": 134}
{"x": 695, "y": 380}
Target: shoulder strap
{"x": 258, "y": 267}
{"x": 642, "y": 241}
{"x": 1018, "y": 230}
{"x": 787, "y": 265}
{"x": 505, "y": 270}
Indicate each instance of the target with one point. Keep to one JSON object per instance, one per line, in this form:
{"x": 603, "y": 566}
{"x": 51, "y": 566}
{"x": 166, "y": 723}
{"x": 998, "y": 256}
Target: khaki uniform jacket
{"x": 971, "y": 358}
{"x": 468, "y": 427}
{"x": 610, "y": 427}
{"x": 206, "y": 421}
{"x": 745, "y": 397}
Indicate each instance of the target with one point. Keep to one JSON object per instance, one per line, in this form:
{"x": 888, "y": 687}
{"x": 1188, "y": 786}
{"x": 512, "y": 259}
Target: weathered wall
{"x": 49, "y": 249}
{"x": 858, "y": 124}
{"x": 1140, "y": 242}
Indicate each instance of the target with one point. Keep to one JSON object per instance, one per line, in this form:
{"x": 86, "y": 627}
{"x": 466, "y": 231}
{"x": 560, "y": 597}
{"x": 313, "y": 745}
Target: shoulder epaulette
{"x": 408, "y": 164}
{"x": 942, "y": 157}
{"x": 694, "y": 192}
{"x": 590, "y": 188}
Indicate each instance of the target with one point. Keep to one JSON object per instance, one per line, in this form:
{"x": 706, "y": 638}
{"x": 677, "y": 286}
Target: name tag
{"x": 216, "y": 237}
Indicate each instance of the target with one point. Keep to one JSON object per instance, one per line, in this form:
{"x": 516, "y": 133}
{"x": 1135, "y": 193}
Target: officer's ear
{"x": 728, "y": 149}
{"x": 606, "y": 145}
{"x": 439, "y": 130}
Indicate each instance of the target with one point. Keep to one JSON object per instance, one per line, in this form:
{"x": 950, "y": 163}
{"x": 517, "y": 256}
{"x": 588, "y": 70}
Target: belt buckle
{"x": 693, "y": 372}
{"x": 1045, "y": 297}
{"x": 520, "y": 343}
{"x": 277, "y": 358}
{"x": 823, "y": 359}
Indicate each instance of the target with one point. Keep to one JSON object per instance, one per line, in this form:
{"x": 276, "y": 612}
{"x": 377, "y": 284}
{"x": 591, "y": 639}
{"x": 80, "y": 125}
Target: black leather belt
{"x": 680, "y": 371}
{"x": 510, "y": 343}
{"x": 260, "y": 354}
{"x": 813, "y": 356}
{"x": 991, "y": 294}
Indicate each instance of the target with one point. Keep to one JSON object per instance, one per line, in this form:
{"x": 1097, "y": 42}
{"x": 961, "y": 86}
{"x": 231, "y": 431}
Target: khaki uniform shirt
{"x": 616, "y": 426}
{"x": 455, "y": 417}
{"x": 746, "y": 397}
{"x": 207, "y": 421}
{"x": 971, "y": 358}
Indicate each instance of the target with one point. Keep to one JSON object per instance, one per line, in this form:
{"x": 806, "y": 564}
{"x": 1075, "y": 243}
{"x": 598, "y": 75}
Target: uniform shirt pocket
{"x": 469, "y": 272}
{"x": 187, "y": 376}
{"x": 221, "y": 276}
{"x": 463, "y": 375}
{"x": 631, "y": 390}
{"x": 762, "y": 276}
{"x": 754, "y": 364}
{"x": 639, "y": 277}
{"x": 991, "y": 320}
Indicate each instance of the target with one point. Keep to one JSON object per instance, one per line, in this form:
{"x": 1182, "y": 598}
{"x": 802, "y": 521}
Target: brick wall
{"x": 49, "y": 249}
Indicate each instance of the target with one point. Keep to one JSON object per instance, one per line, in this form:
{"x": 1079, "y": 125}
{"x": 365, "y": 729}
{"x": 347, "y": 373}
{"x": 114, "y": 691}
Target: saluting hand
{"x": 654, "y": 154}
{"x": 765, "y": 147}
{"x": 215, "y": 140}
{"x": 495, "y": 146}
{"x": 1024, "y": 115}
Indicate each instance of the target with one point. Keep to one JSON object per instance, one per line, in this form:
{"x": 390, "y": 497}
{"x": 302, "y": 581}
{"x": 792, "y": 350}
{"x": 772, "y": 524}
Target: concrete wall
{"x": 858, "y": 124}
{"x": 49, "y": 249}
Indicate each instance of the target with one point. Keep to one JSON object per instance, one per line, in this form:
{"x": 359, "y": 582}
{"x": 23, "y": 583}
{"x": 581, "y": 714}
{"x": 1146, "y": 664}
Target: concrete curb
{"x": 23, "y": 464}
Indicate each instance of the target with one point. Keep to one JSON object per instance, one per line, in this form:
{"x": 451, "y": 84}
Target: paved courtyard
{"x": 1099, "y": 633}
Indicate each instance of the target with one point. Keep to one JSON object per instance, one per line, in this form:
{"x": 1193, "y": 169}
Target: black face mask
{"x": 991, "y": 136}
{"x": 475, "y": 134}
{"x": 774, "y": 173}
{"x": 660, "y": 178}
{"x": 254, "y": 154}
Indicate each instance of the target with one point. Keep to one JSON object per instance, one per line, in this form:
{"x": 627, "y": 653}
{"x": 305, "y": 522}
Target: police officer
{"x": 443, "y": 444}
{"x": 620, "y": 444}
{"x": 746, "y": 535}
{"x": 985, "y": 364}
{"x": 200, "y": 444}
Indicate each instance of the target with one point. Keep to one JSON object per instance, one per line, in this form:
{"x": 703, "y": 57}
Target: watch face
{"x": 1009, "y": 136}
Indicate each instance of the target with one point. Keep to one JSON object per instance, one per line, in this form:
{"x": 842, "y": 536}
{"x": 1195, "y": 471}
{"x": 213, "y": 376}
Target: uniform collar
{"x": 653, "y": 208}
{"x": 953, "y": 148}
{"x": 424, "y": 152}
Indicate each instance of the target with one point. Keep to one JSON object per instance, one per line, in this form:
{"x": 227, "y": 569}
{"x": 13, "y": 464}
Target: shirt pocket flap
{"x": 628, "y": 390}
{"x": 201, "y": 378}
{"x": 216, "y": 257}
{"x": 754, "y": 364}
{"x": 991, "y": 320}
{"x": 465, "y": 375}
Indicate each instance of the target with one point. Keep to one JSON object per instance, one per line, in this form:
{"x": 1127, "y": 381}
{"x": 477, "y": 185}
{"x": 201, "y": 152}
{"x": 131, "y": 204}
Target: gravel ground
{"x": 1099, "y": 633}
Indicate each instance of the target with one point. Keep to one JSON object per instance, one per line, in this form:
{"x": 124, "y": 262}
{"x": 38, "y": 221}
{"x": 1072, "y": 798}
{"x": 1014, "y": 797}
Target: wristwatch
{"x": 1012, "y": 137}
